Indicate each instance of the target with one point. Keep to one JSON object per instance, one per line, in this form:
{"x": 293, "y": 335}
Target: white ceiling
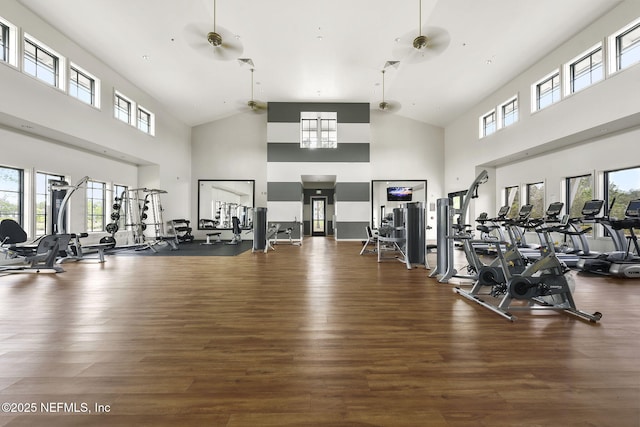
{"x": 491, "y": 42}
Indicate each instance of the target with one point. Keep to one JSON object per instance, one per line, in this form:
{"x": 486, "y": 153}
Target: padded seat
{"x": 372, "y": 239}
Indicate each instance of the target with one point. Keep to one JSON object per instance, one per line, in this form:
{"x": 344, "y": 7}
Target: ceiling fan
{"x": 386, "y": 105}
{"x": 255, "y": 106}
{"x": 430, "y": 42}
{"x": 214, "y": 41}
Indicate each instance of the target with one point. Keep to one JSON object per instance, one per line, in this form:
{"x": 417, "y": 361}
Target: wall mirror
{"x": 387, "y": 195}
{"x": 221, "y": 200}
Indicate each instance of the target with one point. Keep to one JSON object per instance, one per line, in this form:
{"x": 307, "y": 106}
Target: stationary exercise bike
{"x": 543, "y": 285}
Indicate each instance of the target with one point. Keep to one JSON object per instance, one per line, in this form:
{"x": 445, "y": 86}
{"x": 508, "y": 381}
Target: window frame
{"x": 534, "y": 211}
{"x": 19, "y": 214}
{"x": 613, "y": 44}
{"x": 325, "y": 137}
{"x": 569, "y": 67}
{"x": 10, "y": 43}
{"x": 116, "y": 108}
{"x": 47, "y": 203}
{"x": 536, "y": 94}
{"x": 151, "y": 120}
{"x": 503, "y": 115}
{"x": 606, "y": 183}
{"x": 569, "y": 199}
{"x": 59, "y": 67}
{"x": 483, "y": 123}
{"x": 513, "y": 213}
{"x": 90, "y": 206}
{"x": 95, "y": 85}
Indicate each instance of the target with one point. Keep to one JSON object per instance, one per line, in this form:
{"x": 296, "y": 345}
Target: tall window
{"x": 547, "y": 91}
{"x": 622, "y": 185}
{"x": 509, "y": 112}
{"x": 586, "y": 70}
{"x": 535, "y": 197}
{"x": 42, "y": 63}
{"x": 95, "y": 206}
{"x": 11, "y": 194}
{"x": 122, "y": 108}
{"x": 144, "y": 120}
{"x": 318, "y": 130}
{"x": 512, "y": 198}
{"x": 488, "y": 124}
{"x": 82, "y": 86}
{"x": 43, "y": 200}
{"x": 579, "y": 190}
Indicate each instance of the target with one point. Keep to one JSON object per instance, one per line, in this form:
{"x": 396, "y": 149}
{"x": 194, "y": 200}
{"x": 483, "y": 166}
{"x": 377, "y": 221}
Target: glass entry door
{"x": 318, "y": 216}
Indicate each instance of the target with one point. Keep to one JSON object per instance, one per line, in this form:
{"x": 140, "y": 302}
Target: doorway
{"x": 318, "y": 216}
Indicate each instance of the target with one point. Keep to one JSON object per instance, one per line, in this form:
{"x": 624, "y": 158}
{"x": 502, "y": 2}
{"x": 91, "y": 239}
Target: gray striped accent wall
{"x": 353, "y": 191}
{"x": 284, "y": 191}
{"x": 289, "y": 112}
{"x": 349, "y": 163}
{"x": 287, "y": 152}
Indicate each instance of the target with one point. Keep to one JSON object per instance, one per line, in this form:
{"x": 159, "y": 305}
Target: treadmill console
{"x": 633, "y": 209}
{"x": 503, "y": 211}
{"x": 592, "y": 208}
{"x": 554, "y": 210}
{"x": 525, "y": 211}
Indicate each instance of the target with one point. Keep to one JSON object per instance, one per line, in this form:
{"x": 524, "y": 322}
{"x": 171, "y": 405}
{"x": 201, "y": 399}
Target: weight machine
{"x": 141, "y": 209}
{"x": 447, "y": 233}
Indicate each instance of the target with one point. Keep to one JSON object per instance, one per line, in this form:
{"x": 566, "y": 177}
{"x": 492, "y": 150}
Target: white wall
{"x": 166, "y": 157}
{"x": 35, "y": 155}
{"x": 231, "y": 148}
{"x": 588, "y": 113}
{"x": 406, "y": 149}
{"x": 236, "y": 148}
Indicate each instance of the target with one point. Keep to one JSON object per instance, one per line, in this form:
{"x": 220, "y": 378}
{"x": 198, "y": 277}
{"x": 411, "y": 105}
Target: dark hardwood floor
{"x": 305, "y": 336}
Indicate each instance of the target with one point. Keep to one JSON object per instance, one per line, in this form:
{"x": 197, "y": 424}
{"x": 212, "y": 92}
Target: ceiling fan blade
{"x": 389, "y": 106}
{"x": 196, "y": 37}
{"x": 438, "y": 40}
{"x": 231, "y": 47}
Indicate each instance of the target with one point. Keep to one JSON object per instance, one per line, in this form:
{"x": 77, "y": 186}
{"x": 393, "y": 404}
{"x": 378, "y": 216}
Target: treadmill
{"x": 630, "y": 265}
{"x": 551, "y": 216}
{"x": 601, "y": 263}
{"x": 487, "y": 225}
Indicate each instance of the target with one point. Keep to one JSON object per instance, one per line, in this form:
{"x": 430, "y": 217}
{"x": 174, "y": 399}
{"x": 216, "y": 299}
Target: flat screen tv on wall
{"x": 399, "y": 194}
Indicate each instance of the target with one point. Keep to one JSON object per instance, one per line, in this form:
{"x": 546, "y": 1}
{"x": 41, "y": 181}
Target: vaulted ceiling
{"x": 319, "y": 51}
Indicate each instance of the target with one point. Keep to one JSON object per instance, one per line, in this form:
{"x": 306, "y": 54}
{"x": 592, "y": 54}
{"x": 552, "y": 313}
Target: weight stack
{"x": 259, "y": 229}
{"x": 415, "y": 233}
{"x": 398, "y": 223}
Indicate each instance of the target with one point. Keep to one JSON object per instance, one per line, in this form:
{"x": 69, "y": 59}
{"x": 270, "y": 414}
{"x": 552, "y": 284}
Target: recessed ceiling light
{"x": 145, "y": 57}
